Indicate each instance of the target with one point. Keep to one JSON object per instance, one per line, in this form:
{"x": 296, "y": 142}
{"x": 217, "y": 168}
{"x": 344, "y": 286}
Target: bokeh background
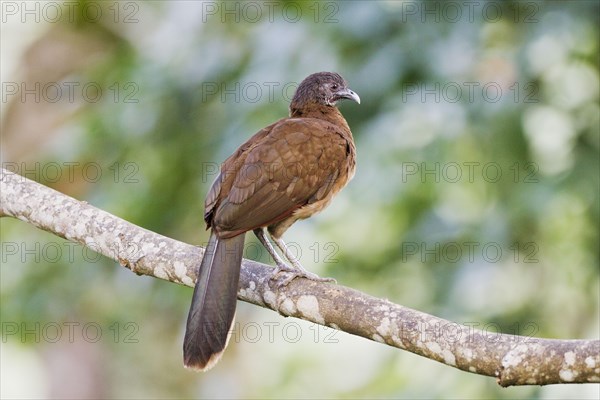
{"x": 476, "y": 196}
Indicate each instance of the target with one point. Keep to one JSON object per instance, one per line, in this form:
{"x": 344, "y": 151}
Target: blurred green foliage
{"x": 476, "y": 196}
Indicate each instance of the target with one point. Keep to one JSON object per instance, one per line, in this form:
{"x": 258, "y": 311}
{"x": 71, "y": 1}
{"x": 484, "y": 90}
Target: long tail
{"x": 213, "y": 304}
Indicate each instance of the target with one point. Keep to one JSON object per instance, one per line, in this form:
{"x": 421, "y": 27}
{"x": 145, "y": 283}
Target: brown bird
{"x": 287, "y": 171}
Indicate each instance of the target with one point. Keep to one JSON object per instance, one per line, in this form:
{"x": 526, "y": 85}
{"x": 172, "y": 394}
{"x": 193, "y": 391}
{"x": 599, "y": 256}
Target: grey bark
{"x": 511, "y": 359}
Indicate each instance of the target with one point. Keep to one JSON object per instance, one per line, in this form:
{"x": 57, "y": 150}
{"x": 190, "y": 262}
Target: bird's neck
{"x": 318, "y": 111}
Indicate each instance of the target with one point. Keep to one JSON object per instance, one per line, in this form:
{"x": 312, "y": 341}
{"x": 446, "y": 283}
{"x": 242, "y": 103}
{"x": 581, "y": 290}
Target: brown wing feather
{"x": 279, "y": 173}
{"x": 227, "y": 174}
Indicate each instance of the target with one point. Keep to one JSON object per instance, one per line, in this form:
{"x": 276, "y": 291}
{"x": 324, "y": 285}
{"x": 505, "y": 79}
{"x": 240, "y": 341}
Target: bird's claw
{"x": 294, "y": 272}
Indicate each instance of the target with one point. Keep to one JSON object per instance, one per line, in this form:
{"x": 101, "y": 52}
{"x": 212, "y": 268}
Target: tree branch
{"x": 513, "y": 360}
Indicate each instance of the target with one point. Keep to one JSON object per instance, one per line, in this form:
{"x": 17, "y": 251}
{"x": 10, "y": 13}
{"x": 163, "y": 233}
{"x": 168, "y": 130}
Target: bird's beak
{"x": 348, "y": 94}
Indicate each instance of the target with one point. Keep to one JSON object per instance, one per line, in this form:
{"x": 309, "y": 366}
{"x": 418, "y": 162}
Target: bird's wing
{"x": 224, "y": 180}
{"x": 295, "y": 164}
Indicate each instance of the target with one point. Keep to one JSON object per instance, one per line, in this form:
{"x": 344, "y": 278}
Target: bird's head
{"x": 323, "y": 88}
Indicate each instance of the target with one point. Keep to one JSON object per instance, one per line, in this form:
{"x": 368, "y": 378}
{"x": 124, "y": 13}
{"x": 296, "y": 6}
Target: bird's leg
{"x": 291, "y": 258}
{"x": 281, "y": 265}
{"x": 296, "y": 270}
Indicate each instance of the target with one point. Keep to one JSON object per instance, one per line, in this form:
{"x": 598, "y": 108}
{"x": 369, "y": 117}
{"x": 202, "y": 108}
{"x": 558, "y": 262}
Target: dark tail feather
{"x": 213, "y": 305}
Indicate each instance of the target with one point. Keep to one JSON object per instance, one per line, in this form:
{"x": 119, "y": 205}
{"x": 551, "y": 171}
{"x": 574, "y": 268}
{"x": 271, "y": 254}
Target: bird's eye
{"x": 334, "y": 86}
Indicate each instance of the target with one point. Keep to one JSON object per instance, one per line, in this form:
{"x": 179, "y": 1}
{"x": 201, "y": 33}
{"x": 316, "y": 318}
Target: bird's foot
{"x": 294, "y": 272}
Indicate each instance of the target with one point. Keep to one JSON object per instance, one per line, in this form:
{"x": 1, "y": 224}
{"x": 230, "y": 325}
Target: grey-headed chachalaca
{"x": 289, "y": 170}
